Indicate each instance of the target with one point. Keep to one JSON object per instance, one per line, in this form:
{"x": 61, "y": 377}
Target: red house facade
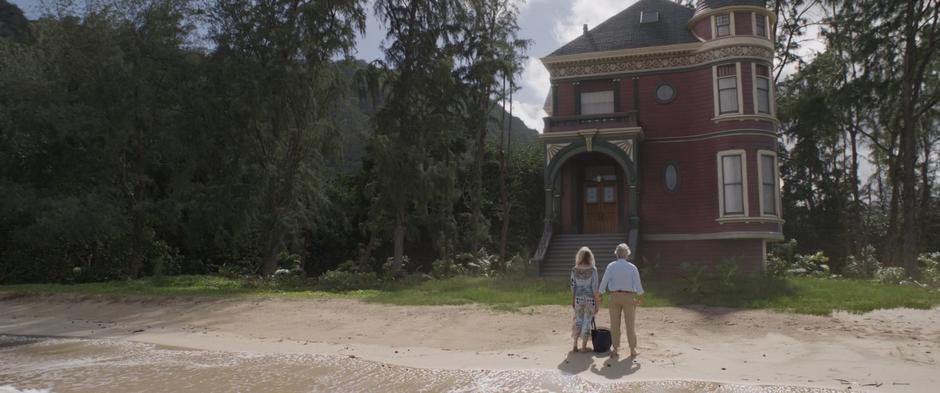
{"x": 661, "y": 133}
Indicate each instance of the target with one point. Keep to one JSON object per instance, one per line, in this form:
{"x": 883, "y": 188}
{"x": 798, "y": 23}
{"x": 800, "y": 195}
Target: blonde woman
{"x": 584, "y": 296}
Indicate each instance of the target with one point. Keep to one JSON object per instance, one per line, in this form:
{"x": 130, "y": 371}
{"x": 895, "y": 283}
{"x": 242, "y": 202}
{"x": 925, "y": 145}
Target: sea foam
{"x": 13, "y": 389}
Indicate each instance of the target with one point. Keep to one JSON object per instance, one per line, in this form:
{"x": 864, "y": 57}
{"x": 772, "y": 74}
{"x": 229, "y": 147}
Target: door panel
{"x": 600, "y": 206}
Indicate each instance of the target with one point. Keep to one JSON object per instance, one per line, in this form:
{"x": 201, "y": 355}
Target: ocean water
{"x": 57, "y": 365}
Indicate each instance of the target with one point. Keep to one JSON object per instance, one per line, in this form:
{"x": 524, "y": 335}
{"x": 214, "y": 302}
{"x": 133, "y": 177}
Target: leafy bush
{"x": 865, "y": 265}
{"x": 387, "y": 266}
{"x": 781, "y": 258}
{"x": 164, "y": 260}
{"x": 648, "y": 268}
{"x": 337, "y": 280}
{"x": 727, "y": 272}
{"x": 891, "y": 275}
{"x": 930, "y": 268}
{"x": 694, "y": 277}
{"x": 236, "y": 269}
{"x": 444, "y": 268}
{"x": 816, "y": 265}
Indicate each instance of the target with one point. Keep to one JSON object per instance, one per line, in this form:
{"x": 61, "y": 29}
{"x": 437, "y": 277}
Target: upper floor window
{"x": 732, "y": 178}
{"x": 762, "y": 88}
{"x": 722, "y": 25}
{"x": 649, "y": 16}
{"x": 760, "y": 25}
{"x": 769, "y": 191}
{"x": 597, "y": 102}
{"x": 726, "y": 77}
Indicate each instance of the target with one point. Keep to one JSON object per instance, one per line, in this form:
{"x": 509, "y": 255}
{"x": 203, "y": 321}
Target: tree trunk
{"x": 399, "y": 243}
{"x": 476, "y": 204}
{"x": 893, "y": 242}
{"x": 908, "y": 143}
{"x": 504, "y": 188}
{"x": 856, "y": 217}
{"x": 925, "y": 187}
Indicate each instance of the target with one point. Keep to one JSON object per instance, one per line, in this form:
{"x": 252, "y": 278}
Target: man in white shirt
{"x": 622, "y": 280}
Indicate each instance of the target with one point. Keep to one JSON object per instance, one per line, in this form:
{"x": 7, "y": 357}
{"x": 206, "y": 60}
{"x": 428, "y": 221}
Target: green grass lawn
{"x": 800, "y": 295}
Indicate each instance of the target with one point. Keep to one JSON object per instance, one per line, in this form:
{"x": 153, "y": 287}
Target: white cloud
{"x": 535, "y": 84}
{"x": 590, "y": 12}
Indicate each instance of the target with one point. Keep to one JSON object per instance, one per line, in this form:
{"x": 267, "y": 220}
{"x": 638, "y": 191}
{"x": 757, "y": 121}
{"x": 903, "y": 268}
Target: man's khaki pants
{"x": 622, "y": 303}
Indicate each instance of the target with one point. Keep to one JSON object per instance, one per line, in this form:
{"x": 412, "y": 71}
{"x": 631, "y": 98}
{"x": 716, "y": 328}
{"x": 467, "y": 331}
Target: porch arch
{"x": 623, "y": 160}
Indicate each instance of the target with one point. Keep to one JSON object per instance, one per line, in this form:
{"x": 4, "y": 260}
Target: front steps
{"x": 561, "y": 252}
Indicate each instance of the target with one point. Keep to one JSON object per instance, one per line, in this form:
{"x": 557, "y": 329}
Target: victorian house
{"x": 661, "y": 133}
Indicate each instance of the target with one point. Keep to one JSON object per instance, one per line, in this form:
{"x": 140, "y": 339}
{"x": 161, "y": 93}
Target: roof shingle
{"x": 624, "y": 30}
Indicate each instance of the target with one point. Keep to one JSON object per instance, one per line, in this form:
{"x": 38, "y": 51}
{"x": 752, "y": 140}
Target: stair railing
{"x": 547, "y": 231}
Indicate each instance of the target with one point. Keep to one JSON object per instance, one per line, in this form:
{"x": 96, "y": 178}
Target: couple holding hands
{"x": 622, "y": 282}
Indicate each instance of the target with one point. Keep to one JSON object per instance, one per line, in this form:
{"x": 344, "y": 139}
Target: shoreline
{"x": 713, "y": 345}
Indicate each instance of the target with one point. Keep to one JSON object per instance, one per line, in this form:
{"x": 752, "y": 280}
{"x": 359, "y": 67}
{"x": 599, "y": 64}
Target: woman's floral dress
{"x": 584, "y": 283}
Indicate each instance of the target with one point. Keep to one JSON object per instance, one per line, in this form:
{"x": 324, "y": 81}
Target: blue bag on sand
{"x": 600, "y": 338}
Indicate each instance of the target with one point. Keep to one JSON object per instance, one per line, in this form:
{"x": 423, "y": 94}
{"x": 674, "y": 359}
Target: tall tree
{"x": 279, "y": 55}
{"x": 416, "y": 131}
{"x": 490, "y": 53}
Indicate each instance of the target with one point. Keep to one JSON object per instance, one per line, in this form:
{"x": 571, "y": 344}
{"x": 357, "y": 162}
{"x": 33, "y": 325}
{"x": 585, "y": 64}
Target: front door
{"x": 600, "y": 200}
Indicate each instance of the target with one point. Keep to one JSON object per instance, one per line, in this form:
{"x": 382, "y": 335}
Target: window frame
{"x": 722, "y": 213}
{"x": 754, "y": 17}
{"x": 731, "y": 25}
{"x": 613, "y": 102}
{"x": 776, "y": 184}
{"x": 738, "y": 87}
{"x": 771, "y": 110}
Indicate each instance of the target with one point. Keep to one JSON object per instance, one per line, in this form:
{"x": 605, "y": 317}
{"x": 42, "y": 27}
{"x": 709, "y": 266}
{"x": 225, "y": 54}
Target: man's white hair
{"x": 622, "y": 251}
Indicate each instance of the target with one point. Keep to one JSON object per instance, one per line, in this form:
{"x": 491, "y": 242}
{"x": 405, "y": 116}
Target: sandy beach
{"x": 887, "y": 350}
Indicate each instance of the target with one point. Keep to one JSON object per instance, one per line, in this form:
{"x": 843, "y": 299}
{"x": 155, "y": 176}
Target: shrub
{"x": 444, "y": 268}
{"x": 781, "y": 258}
{"x": 236, "y": 269}
{"x": 387, "y": 266}
{"x": 648, "y": 269}
{"x": 816, "y": 265}
{"x": 891, "y": 275}
{"x": 930, "y": 268}
{"x": 865, "y": 265}
{"x": 337, "y": 280}
{"x": 694, "y": 277}
{"x": 727, "y": 273}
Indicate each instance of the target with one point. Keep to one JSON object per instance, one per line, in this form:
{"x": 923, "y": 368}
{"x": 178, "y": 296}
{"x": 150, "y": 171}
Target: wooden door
{"x": 601, "y": 205}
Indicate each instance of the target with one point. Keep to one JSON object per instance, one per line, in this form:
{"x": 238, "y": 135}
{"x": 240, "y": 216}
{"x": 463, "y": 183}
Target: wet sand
{"x": 890, "y": 350}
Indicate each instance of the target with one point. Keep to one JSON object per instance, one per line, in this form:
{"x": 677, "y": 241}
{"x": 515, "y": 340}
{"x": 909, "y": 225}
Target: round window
{"x": 671, "y": 177}
{"x": 665, "y": 93}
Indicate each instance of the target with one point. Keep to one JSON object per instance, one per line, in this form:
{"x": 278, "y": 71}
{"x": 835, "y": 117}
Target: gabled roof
{"x": 624, "y": 30}
{"x": 702, "y": 5}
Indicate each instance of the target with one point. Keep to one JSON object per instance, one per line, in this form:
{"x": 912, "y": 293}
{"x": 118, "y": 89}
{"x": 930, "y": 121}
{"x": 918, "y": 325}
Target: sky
{"x": 548, "y": 23}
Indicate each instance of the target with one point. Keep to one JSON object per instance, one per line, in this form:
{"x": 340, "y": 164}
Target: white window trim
{"x": 770, "y": 91}
{"x": 731, "y": 27}
{"x": 721, "y": 183}
{"x": 760, "y": 182}
{"x": 740, "y": 89}
{"x": 754, "y": 25}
